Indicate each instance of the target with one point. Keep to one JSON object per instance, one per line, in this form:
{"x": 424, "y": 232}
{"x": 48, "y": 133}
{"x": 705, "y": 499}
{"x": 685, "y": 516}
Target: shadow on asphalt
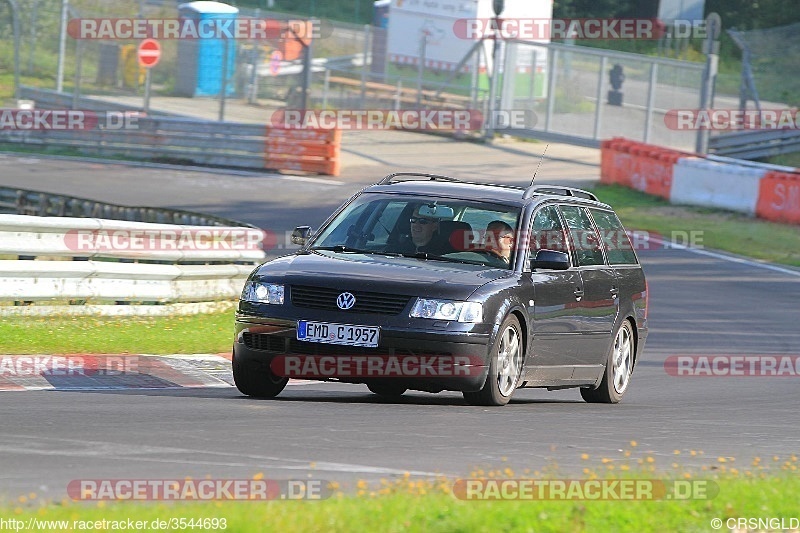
{"x": 294, "y": 396}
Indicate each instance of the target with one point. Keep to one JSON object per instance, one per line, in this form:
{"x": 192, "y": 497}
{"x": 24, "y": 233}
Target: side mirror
{"x": 550, "y": 260}
{"x": 301, "y": 234}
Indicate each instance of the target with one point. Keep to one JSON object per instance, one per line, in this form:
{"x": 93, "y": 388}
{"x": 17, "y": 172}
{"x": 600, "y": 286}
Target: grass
{"x": 408, "y": 504}
{"x": 718, "y": 229}
{"x": 204, "y": 333}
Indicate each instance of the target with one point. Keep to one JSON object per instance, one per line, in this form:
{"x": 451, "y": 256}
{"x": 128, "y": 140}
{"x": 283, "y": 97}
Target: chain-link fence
{"x": 569, "y": 88}
{"x": 770, "y": 57}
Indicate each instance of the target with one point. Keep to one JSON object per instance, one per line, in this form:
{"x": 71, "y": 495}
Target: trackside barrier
{"x": 42, "y": 262}
{"x": 185, "y": 140}
{"x": 307, "y": 150}
{"x": 757, "y": 189}
{"x": 708, "y": 183}
{"x": 640, "y": 166}
{"x": 779, "y": 197}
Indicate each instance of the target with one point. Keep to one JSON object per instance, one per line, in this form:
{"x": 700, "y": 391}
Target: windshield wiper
{"x": 434, "y": 257}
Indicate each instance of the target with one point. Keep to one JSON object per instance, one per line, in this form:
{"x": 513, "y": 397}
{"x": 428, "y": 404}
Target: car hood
{"x": 376, "y": 273}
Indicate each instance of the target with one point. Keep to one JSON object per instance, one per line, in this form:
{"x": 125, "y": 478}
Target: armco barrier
{"x": 226, "y": 144}
{"x": 45, "y": 265}
{"x": 767, "y": 191}
{"x": 779, "y": 197}
{"x": 186, "y": 140}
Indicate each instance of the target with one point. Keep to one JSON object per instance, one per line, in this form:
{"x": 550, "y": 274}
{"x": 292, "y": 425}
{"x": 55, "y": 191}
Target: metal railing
{"x": 755, "y": 144}
{"x": 27, "y": 202}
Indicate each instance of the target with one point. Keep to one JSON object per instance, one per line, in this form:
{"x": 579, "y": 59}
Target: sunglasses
{"x": 420, "y": 220}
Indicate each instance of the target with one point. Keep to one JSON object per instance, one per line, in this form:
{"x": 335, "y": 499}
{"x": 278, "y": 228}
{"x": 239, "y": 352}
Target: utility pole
{"x": 711, "y": 49}
{"x": 62, "y": 45}
{"x": 497, "y": 6}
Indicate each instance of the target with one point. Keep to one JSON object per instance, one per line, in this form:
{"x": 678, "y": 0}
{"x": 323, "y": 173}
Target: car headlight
{"x": 447, "y": 310}
{"x": 265, "y": 293}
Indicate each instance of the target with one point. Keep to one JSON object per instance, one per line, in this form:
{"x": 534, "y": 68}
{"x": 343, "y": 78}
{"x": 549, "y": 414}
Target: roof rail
{"x": 433, "y": 177}
{"x": 558, "y": 191}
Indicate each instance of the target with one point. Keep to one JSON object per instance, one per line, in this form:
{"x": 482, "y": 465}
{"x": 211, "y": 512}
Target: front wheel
{"x": 254, "y": 380}
{"x": 505, "y": 366}
{"x": 619, "y": 367}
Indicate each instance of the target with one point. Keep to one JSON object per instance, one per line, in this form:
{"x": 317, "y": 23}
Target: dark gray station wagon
{"x": 428, "y": 283}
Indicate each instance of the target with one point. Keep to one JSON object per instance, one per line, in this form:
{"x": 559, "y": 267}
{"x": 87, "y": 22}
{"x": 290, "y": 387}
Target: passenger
{"x": 499, "y": 242}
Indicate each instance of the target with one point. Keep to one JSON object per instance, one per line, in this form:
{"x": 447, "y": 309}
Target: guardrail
{"x": 27, "y": 202}
{"x": 57, "y": 265}
{"x": 768, "y": 191}
{"x": 755, "y": 144}
{"x": 185, "y": 140}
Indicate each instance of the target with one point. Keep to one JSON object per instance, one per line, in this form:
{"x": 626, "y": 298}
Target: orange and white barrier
{"x": 766, "y": 191}
{"x": 307, "y": 150}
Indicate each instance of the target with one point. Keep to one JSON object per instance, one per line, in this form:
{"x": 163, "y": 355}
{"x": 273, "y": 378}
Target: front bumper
{"x": 260, "y": 341}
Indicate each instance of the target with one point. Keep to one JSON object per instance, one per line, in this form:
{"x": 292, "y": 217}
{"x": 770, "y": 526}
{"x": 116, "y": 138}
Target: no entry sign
{"x": 149, "y": 53}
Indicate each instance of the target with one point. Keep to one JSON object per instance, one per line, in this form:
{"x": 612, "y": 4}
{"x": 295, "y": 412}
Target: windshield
{"x": 426, "y": 227}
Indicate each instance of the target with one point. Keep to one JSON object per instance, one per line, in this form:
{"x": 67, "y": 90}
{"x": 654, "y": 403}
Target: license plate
{"x": 338, "y": 333}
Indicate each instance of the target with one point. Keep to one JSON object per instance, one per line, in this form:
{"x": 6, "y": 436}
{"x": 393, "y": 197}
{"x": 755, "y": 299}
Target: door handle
{"x": 578, "y": 293}
{"x": 614, "y": 291}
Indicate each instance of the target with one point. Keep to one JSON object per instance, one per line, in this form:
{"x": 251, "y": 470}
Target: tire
{"x": 619, "y": 367}
{"x": 256, "y": 380}
{"x": 387, "y": 389}
{"x": 505, "y": 366}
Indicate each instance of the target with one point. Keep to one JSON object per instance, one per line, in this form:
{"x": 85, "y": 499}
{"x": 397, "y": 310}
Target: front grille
{"x": 319, "y": 348}
{"x": 366, "y": 302}
{"x": 269, "y": 343}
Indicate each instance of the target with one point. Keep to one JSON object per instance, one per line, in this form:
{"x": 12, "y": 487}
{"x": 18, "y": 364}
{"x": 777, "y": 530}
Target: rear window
{"x": 617, "y": 244}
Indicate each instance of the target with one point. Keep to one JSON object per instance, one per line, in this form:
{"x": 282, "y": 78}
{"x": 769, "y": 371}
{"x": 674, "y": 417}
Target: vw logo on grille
{"x": 346, "y": 300}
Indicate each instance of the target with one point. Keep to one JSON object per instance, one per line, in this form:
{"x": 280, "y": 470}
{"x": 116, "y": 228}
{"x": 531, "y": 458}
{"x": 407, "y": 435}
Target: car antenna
{"x": 541, "y": 158}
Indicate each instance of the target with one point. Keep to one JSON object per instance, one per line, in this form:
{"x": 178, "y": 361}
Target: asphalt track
{"x": 700, "y": 303}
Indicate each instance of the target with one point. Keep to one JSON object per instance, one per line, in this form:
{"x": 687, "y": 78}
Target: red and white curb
{"x": 116, "y": 371}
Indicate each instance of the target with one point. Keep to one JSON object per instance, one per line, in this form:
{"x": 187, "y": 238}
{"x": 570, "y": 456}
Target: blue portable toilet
{"x": 200, "y": 61}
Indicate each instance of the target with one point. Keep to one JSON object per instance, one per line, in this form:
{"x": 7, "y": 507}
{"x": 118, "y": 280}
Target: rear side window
{"x": 547, "y": 233}
{"x": 585, "y": 241}
{"x": 618, "y": 245}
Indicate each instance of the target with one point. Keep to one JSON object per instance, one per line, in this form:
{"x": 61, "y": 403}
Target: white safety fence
{"x": 53, "y": 265}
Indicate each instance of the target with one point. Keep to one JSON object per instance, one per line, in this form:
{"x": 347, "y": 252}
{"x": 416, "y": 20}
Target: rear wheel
{"x": 256, "y": 380}
{"x": 505, "y": 366}
{"x": 388, "y": 389}
{"x": 619, "y": 367}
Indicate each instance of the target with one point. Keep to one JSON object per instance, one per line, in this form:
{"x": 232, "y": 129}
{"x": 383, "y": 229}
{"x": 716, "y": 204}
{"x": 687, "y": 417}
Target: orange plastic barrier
{"x": 306, "y": 150}
{"x": 640, "y": 166}
{"x": 779, "y": 197}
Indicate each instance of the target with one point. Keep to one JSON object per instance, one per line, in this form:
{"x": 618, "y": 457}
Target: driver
{"x": 423, "y": 232}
